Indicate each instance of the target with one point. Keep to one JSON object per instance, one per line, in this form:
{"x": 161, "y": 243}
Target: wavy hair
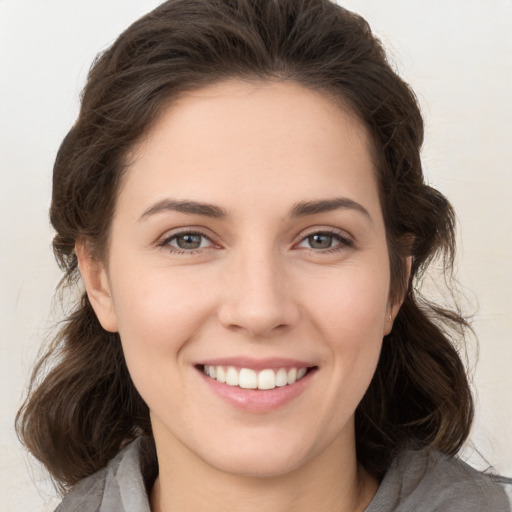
{"x": 82, "y": 405}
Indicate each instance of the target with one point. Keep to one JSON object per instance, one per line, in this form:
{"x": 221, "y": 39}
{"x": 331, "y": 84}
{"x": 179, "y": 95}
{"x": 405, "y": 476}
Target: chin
{"x": 257, "y": 466}
{"x": 259, "y": 459}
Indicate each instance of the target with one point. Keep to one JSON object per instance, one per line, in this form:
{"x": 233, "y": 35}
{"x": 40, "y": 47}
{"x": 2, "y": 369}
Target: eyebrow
{"x": 305, "y": 208}
{"x": 190, "y": 207}
{"x": 301, "y": 209}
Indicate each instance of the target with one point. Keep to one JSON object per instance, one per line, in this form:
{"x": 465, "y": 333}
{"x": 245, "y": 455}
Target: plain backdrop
{"x": 457, "y": 54}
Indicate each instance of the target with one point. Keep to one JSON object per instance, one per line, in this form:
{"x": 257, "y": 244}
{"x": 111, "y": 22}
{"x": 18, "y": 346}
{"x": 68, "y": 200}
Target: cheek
{"x": 352, "y": 301}
{"x": 350, "y": 313}
{"x": 159, "y": 315}
{"x": 158, "y": 310}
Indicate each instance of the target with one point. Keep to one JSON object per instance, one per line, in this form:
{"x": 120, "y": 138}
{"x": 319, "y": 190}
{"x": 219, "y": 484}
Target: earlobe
{"x": 391, "y": 312}
{"x": 393, "y": 307}
{"x": 95, "y": 278}
{"x": 388, "y": 322}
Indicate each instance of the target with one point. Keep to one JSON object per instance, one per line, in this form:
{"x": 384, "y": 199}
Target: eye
{"x": 186, "y": 241}
{"x": 325, "y": 241}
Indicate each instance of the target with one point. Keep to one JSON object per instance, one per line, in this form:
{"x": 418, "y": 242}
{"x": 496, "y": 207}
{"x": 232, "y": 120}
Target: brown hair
{"x": 82, "y": 405}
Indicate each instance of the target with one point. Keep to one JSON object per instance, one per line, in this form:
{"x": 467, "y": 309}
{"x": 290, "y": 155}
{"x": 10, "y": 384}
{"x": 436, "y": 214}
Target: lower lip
{"x": 254, "y": 400}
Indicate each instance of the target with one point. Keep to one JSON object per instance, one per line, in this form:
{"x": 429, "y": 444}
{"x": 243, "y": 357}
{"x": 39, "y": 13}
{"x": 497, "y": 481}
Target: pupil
{"x": 189, "y": 241}
{"x": 320, "y": 241}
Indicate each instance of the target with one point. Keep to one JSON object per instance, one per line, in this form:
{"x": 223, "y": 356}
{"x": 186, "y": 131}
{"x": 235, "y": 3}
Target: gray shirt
{"x": 417, "y": 481}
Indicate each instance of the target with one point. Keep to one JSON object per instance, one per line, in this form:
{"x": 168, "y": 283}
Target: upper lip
{"x": 256, "y": 364}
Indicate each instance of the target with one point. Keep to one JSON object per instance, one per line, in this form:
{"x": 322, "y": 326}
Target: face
{"x": 248, "y": 243}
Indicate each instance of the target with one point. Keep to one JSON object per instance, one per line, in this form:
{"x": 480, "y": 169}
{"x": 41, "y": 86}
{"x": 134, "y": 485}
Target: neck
{"x": 332, "y": 482}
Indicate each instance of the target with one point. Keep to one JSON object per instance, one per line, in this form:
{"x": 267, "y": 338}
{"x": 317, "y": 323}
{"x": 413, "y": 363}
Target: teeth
{"x": 232, "y": 377}
{"x": 281, "y": 377}
{"x": 221, "y": 374}
{"x": 266, "y": 379}
{"x": 247, "y": 378}
{"x": 292, "y": 375}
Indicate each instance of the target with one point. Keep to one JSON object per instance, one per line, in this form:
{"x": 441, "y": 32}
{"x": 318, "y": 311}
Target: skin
{"x": 256, "y": 287}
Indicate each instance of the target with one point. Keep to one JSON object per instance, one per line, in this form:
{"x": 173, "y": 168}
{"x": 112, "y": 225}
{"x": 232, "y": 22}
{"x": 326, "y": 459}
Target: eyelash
{"x": 344, "y": 241}
{"x": 176, "y": 250}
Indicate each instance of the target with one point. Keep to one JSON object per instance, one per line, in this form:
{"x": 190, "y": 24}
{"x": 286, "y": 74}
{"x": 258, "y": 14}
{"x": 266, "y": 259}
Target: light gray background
{"x": 457, "y": 54}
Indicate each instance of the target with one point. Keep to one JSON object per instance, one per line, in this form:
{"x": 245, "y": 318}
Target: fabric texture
{"x": 430, "y": 481}
{"x": 417, "y": 481}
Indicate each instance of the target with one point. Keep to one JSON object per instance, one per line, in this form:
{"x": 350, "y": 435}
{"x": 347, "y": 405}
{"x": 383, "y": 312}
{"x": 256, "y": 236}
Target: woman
{"x": 242, "y": 196}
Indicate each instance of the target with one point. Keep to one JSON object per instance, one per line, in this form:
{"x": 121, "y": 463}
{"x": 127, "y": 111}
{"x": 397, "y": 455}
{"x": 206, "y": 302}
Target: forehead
{"x": 261, "y": 142}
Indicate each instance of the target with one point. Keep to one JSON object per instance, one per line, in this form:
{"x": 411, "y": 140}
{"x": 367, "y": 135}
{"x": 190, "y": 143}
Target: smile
{"x": 247, "y": 378}
{"x": 257, "y": 386}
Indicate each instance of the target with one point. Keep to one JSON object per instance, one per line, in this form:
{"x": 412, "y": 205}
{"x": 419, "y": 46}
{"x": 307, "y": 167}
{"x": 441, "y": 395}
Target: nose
{"x": 258, "y": 297}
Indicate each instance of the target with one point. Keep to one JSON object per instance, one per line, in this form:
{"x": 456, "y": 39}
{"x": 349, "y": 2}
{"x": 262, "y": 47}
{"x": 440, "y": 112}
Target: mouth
{"x": 247, "y": 378}
{"x": 257, "y": 385}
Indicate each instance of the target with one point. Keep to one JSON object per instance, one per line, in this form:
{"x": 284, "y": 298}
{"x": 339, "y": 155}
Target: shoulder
{"x": 110, "y": 488}
{"x": 430, "y": 481}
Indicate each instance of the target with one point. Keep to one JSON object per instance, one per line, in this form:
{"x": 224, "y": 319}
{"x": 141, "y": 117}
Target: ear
{"x": 97, "y": 285}
{"x": 394, "y": 306}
